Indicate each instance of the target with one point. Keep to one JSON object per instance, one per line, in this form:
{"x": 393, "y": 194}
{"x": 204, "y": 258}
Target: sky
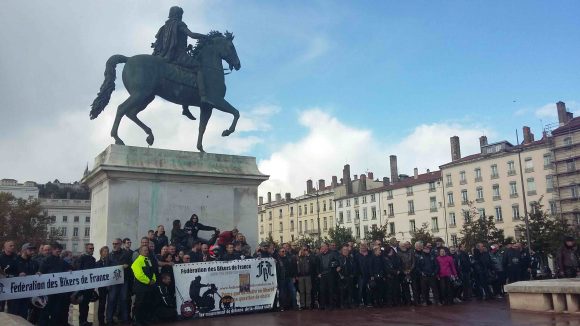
{"x": 322, "y": 84}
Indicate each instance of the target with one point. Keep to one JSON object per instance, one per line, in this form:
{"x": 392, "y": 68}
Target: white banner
{"x": 225, "y": 287}
{"x": 45, "y": 284}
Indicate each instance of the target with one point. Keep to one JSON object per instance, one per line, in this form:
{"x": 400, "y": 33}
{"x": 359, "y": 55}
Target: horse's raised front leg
{"x": 225, "y": 106}
{"x": 205, "y": 114}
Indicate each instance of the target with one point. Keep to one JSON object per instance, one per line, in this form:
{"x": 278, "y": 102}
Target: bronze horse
{"x": 146, "y": 76}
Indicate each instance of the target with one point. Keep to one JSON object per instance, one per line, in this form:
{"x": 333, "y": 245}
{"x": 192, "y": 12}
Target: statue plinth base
{"x": 135, "y": 189}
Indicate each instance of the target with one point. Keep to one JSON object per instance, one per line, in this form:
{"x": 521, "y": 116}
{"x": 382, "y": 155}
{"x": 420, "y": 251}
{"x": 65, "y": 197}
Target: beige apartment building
{"x": 566, "y": 154}
{"x": 289, "y": 219}
{"x": 501, "y": 181}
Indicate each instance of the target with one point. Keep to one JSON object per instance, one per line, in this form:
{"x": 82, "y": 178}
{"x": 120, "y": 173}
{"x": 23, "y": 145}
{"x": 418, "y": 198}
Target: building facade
{"x": 27, "y": 190}
{"x": 566, "y": 158}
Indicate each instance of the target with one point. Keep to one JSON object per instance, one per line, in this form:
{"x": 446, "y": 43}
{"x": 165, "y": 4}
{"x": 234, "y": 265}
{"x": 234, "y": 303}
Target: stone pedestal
{"x": 134, "y": 189}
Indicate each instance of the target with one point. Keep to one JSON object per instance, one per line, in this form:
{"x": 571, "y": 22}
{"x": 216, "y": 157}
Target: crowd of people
{"x": 333, "y": 276}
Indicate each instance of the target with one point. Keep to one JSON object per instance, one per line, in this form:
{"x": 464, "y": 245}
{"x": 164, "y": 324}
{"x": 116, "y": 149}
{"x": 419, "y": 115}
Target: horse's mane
{"x": 211, "y": 36}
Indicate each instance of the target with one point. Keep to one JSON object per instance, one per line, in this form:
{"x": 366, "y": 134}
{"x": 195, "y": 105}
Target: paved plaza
{"x": 472, "y": 313}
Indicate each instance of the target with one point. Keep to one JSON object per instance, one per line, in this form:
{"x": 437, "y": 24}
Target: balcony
{"x": 496, "y": 198}
{"x": 391, "y": 215}
{"x": 514, "y": 195}
{"x": 479, "y": 200}
{"x": 450, "y": 204}
{"x": 411, "y": 212}
{"x": 529, "y": 170}
{"x": 433, "y": 209}
{"x": 532, "y": 193}
{"x": 463, "y": 182}
{"x": 389, "y": 196}
{"x": 356, "y": 221}
{"x": 465, "y": 202}
{"x": 313, "y": 232}
{"x": 478, "y": 179}
{"x": 494, "y": 176}
{"x": 409, "y": 193}
{"x": 432, "y": 189}
{"x": 511, "y": 172}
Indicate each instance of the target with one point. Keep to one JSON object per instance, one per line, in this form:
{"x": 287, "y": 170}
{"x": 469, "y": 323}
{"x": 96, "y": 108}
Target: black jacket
{"x": 285, "y": 268}
{"x": 54, "y": 264}
{"x": 427, "y": 265}
{"x": 346, "y": 264}
{"x": 194, "y": 228}
{"x": 27, "y": 266}
{"x": 160, "y": 242}
{"x": 305, "y": 265}
{"x": 86, "y": 262}
{"x": 482, "y": 262}
{"x": 377, "y": 266}
{"x": 363, "y": 265}
{"x": 8, "y": 264}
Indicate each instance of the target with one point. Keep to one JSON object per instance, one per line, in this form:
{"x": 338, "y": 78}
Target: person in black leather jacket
{"x": 428, "y": 269}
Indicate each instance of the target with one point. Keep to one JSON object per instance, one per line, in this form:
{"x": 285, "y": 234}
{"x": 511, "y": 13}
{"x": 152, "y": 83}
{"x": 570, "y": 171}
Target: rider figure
{"x": 171, "y": 44}
{"x": 195, "y": 290}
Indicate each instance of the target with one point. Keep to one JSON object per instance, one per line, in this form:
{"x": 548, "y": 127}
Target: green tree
{"x": 309, "y": 241}
{"x": 377, "y": 233}
{"x": 479, "y": 229}
{"x": 546, "y": 232}
{"x": 21, "y": 220}
{"x": 422, "y": 234}
{"x": 339, "y": 235}
{"x": 270, "y": 241}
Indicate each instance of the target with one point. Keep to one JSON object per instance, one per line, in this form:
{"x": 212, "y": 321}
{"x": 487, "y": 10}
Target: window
{"x": 366, "y": 229}
{"x": 513, "y": 189}
{"x": 348, "y": 203}
{"x": 462, "y": 179}
{"x": 357, "y": 232}
{"x": 365, "y": 214}
{"x": 261, "y": 217}
{"x": 389, "y": 194}
{"x": 448, "y": 180}
{"x": 454, "y": 240}
{"x": 330, "y": 204}
{"x": 299, "y": 210}
{"x": 391, "y": 209}
{"x": 498, "y": 214}
{"x": 87, "y": 219}
{"x": 477, "y": 174}
{"x": 281, "y": 239}
{"x": 570, "y": 166}
{"x": 515, "y": 212}
{"x": 466, "y": 216}
{"x": 511, "y": 168}
{"x": 76, "y": 219}
{"x": 270, "y": 215}
{"x": 432, "y": 186}
{"x": 450, "y": 201}
{"x": 434, "y": 224}
{"x": 531, "y": 186}
{"x": 75, "y": 247}
{"x": 574, "y": 191}
{"x": 340, "y": 204}
{"x": 373, "y": 198}
{"x": 494, "y": 173}
{"x": 75, "y": 231}
{"x": 495, "y": 190}
{"x": 53, "y": 231}
{"x": 340, "y": 218}
{"x": 317, "y": 206}
{"x": 299, "y": 226}
{"x": 280, "y": 226}
{"x": 410, "y": 191}
{"x": 392, "y": 228}
{"x": 481, "y": 212}
{"x": 547, "y": 161}
{"x": 373, "y": 213}
{"x": 261, "y": 229}
{"x": 452, "y": 220}
{"x": 364, "y": 199}
{"x": 529, "y": 165}
{"x": 356, "y": 215}
{"x": 280, "y": 213}
{"x": 479, "y": 192}
{"x": 411, "y": 206}
{"x": 412, "y": 227}
{"x": 63, "y": 231}
{"x": 65, "y": 219}
{"x": 325, "y": 224}
{"x": 568, "y": 141}
{"x": 549, "y": 183}
{"x": 291, "y": 226}
{"x": 433, "y": 204}
{"x": 347, "y": 216}
{"x": 553, "y": 207}
{"x": 305, "y": 209}
{"x": 464, "y": 199}
{"x": 87, "y": 232}
{"x": 311, "y": 208}
{"x": 312, "y": 224}
{"x": 291, "y": 211}
{"x": 356, "y": 200}
{"x": 270, "y": 227}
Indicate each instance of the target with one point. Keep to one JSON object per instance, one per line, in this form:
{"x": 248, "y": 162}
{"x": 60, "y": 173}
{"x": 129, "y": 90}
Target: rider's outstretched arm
{"x": 191, "y": 34}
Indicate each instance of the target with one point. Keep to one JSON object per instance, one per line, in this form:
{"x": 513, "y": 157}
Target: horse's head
{"x": 225, "y": 48}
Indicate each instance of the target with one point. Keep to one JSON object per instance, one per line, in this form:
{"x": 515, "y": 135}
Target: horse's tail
{"x": 108, "y": 86}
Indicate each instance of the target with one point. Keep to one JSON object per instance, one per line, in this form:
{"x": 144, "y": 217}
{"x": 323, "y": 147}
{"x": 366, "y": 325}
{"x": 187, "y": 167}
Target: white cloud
{"x": 316, "y": 47}
{"x": 330, "y": 143}
{"x": 549, "y": 111}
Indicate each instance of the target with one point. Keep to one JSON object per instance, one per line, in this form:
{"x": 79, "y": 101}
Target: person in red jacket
{"x": 225, "y": 238}
{"x": 447, "y": 272}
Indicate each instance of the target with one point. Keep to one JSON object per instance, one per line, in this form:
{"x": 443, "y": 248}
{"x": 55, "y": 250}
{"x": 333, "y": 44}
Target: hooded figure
{"x": 568, "y": 260}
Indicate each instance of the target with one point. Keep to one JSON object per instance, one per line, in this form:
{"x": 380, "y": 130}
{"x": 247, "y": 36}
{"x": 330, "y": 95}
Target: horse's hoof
{"x": 150, "y": 140}
{"x": 226, "y": 133}
{"x": 119, "y": 142}
{"x": 200, "y": 148}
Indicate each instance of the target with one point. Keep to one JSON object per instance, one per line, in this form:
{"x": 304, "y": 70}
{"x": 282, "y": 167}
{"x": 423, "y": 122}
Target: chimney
{"x": 394, "y": 169}
{"x": 334, "y": 181}
{"x": 269, "y": 197}
{"x": 563, "y": 116}
{"x": 416, "y": 173}
{"x": 321, "y": 184}
{"x": 528, "y": 136}
{"x": 428, "y": 171}
{"x": 346, "y": 179}
{"x": 356, "y": 176}
{"x": 309, "y": 188}
{"x": 370, "y": 176}
{"x": 260, "y": 200}
{"x": 363, "y": 182}
{"x": 288, "y": 196}
{"x": 455, "y": 148}
{"x": 482, "y": 141}
{"x": 278, "y": 197}
{"x": 386, "y": 181}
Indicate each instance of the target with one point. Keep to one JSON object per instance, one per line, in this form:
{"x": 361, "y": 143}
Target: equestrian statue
{"x": 177, "y": 72}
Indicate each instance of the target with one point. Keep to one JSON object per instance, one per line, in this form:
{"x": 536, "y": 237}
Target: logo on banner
{"x": 264, "y": 270}
{"x": 117, "y": 274}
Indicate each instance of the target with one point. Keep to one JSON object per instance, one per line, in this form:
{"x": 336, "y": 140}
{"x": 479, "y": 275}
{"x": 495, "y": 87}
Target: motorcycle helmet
{"x": 40, "y": 301}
